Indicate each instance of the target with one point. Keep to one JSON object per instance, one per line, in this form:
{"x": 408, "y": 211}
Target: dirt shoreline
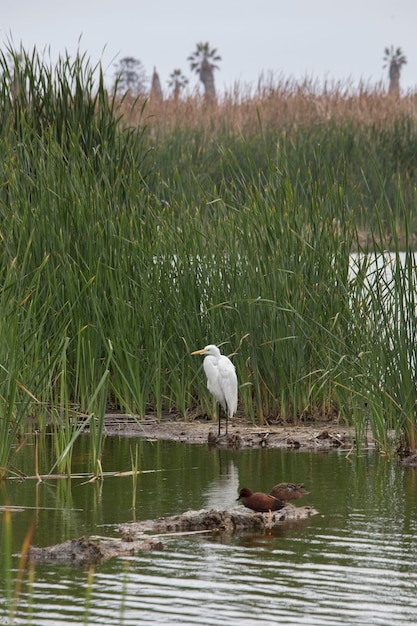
{"x": 310, "y": 435}
{"x": 242, "y": 432}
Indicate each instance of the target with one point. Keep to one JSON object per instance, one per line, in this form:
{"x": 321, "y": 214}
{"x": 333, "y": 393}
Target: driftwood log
{"x": 90, "y": 551}
{"x": 229, "y": 521}
{"x": 136, "y": 536}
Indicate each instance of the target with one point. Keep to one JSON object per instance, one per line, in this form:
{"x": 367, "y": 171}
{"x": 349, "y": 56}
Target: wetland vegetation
{"x": 133, "y": 233}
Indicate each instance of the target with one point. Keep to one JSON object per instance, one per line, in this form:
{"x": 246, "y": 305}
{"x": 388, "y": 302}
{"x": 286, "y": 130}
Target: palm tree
{"x": 203, "y": 63}
{"x": 177, "y": 82}
{"x": 394, "y": 60}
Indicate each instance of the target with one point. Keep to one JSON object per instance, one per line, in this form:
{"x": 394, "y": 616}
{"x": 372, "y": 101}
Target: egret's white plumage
{"x": 221, "y": 379}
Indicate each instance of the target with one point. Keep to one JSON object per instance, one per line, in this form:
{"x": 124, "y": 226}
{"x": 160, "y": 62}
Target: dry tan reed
{"x": 282, "y": 105}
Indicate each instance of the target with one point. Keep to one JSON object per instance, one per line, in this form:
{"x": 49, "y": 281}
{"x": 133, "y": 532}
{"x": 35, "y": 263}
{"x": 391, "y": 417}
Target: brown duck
{"x": 288, "y": 491}
{"x": 260, "y": 502}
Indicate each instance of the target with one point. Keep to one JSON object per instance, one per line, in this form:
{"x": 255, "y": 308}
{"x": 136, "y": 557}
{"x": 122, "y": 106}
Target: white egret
{"x": 221, "y": 380}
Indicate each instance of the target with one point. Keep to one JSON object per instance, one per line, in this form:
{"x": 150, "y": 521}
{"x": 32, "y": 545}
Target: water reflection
{"x": 352, "y": 564}
{"x": 221, "y": 492}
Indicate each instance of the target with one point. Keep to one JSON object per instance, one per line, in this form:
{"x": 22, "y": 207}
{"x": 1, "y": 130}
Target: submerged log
{"x": 135, "y": 535}
{"x": 90, "y": 551}
{"x": 228, "y": 521}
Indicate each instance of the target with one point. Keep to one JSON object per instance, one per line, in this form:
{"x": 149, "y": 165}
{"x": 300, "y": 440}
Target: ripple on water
{"x": 347, "y": 578}
{"x": 350, "y": 566}
{"x": 230, "y": 584}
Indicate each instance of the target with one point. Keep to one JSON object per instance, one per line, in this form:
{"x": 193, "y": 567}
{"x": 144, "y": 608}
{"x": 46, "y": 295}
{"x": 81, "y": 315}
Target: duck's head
{"x": 244, "y": 493}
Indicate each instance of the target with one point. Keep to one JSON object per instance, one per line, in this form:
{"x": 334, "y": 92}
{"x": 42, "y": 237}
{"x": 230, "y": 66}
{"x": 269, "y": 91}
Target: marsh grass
{"x": 126, "y": 247}
{"x": 388, "y": 360}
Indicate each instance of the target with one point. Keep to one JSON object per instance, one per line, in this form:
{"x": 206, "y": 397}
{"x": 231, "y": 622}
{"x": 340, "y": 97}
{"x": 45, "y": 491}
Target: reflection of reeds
{"x": 13, "y": 589}
{"x": 7, "y": 572}
{"x": 134, "y": 458}
{"x": 18, "y": 582}
{"x": 88, "y": 594}
{"x": 123, "y": 247}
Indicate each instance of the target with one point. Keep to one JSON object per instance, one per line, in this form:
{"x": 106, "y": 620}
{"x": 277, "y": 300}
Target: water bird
{"x": 260, "y": 502}
{"x": 221, "y": 380}
{"x": 288, "y": 491}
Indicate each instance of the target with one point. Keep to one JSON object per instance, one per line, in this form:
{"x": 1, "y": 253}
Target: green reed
{"x": 96, "y": 410}
{"x": 123, "y": 251}
{"x": 386, "y": 305}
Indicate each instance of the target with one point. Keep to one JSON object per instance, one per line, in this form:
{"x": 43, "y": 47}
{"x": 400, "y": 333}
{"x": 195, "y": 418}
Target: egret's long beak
{"x": 202, "y": 351}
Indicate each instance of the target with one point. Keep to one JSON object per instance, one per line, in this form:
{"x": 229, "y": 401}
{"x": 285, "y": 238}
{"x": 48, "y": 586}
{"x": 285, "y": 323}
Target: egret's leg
{"x": 219, "y": 413}
{"x": 227, "y": 418}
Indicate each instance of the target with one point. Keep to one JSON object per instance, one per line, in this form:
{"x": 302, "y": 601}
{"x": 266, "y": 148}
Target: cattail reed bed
{"x": 128, "y": 242}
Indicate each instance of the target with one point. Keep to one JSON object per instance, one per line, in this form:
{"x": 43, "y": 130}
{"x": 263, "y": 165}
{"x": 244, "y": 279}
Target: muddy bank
{"x": 242, "y": 433}
{"x": 149, "y": 535}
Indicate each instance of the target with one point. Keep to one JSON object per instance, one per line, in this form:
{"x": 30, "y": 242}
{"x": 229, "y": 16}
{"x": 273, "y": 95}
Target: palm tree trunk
{"x": 207, "y": 78}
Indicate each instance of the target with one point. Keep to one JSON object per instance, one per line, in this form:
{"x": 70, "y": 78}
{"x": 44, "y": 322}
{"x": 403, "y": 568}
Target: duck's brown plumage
{"x": 288, "y": 491}
{"x": 260, "y": 502}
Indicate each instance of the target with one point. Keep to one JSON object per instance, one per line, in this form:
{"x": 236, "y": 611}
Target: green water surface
{"x": 353, "y": 563}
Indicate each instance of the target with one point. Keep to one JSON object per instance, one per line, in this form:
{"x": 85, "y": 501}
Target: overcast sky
{"x": 319, "y": 39}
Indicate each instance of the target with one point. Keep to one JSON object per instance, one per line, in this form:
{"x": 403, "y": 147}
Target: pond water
{"x": 354, "y": 563}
